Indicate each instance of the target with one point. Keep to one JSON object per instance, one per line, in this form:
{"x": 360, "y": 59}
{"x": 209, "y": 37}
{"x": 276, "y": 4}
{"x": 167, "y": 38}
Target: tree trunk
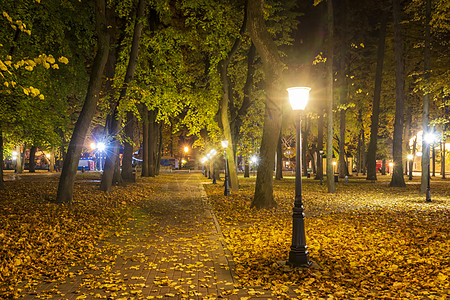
{"x": 145, "y": 154}
{"x": 279, "y": 162}
{"x": 152, "y": 141}
{"x": 246, "y": 169}
{"x": 319, "y": 145}
{"x": 397, "y": 177}
{"x": 426, "y": 101}
{"x": 2, "y": 185}
{"x": 31, "y": 161}
{"x": 330, "y": 80}
{"x": 67, "y": 179}
{"x": 372, "y": 150}
{"x": 19, "y": 160}
{"x": 128, "y": 149}
{"x": 305, "y": 146}
{"x": 443, "y": 157}
{"x": 363, "y": 152}
{"x": 51, "y": 160}
{"x": 273, "y": 69}
{"x": 111, "y": 171}
{"x": 160, "y": 149}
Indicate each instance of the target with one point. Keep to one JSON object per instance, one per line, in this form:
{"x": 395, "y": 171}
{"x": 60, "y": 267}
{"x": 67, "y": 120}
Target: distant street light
{"x": 204, "y": 169}
{"x": 14, "y": 155}
{"x": 299, "y": 254}
{"x": 391, "y": 165}
{"x": 410, "y": 165}
{"x": 227, "y": 187}
{"x": 254, "y": 160}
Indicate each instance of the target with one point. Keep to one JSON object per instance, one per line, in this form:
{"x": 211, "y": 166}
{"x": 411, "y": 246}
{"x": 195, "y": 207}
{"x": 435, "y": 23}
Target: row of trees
{"x": 137, "y": 72}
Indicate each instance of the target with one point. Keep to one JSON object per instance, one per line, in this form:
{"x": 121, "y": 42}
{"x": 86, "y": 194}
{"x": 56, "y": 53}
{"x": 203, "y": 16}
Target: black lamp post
{"x": 299, "y": 254}
{"x": 226, "y": 184}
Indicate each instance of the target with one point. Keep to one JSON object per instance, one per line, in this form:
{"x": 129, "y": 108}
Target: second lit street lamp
{"x": 299, "y": 254}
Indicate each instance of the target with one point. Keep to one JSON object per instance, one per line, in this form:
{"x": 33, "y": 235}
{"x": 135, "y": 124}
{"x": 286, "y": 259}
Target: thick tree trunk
{"x": 111, "y": 163}
{"x": 128, "y": 149}
{"x": 319, "y": 145}
{"x": 397, "y": 179}
{"x": 305, "y": 146}
{"x": 273, "y": 69}
{"x": 426, "y": 101}
{"x": 145, "y": 126}
{"x": 279, "y": 162}
{"x": 2, "y": 185}
{"x": 443, "y": 157}
{"x": 32, "y": 158}
{"x": 67, "y": 179}
{"x": 246, "y": 169}
{"x": 372, "y": 150}
{"x": 330, "y": 82}
{"x": 51, "y": 160}
{"x": 153, "y": 137}
{"x": 160, "y": 149}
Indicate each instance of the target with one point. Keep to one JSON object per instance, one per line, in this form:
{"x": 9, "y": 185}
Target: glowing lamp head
{"x": 410, "y": 156}
{"x": 419, "y": 154}
{"x": 203, "y": 160}
{"x": 391, "y": 165}
{"x": 224, "y": 144}
{"x": 101, "y": 146}
{"x": 93, "y": 145}
{"x": 334, "y": 163}
{"x": 213, "y": 152}
{"x": 298, "y": 97}
{"x": 186, "y": 149}
{"x": 47, "y": 155}
{"x": 254, "y": 159}
{"x": 429, "y": 138}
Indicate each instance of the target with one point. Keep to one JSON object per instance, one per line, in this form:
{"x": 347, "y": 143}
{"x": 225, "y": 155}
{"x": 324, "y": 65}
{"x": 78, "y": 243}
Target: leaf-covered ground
{"x": 41, "y": 241}
{"x": 369, "y": 240}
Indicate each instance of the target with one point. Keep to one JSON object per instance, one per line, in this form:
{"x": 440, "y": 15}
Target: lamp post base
{"x": 299, "y": 259}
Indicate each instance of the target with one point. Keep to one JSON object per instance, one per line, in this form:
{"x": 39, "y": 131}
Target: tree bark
{"x": 224, "y": 107}
{"x": 372, "y": 150}
{"x": 2, "y": 185}
{"x": 443, "y": 156}
{"x": 145, "y": 154}
{"x": 67, "y": 179}
{"x": 397, "y": 179}
{"x": 246, "y": 169}
{"x": 279, "y": 162}
{"x": 31, "y": 163}
{"x": 51, "y": 160}
{"x": 426, "y": 100}
{"x": 128, "y": 149}
{"x": 273, "y": 69}
{"x": 152, "y": 140}
{"x": 330, "y": 78}
{"x": 111, "y": 169}
{"x": 320, "y": 145}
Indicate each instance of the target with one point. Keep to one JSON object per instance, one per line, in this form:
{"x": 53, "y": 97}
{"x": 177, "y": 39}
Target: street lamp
{"x": 410, "y": 165}
{"x": 101, "y": 147}
{"x": 299, "y": 254}
{"x": 429, "y": 139}
{"x": 254, "y": 160}
{"x": 391, "y": 166}
{"x": 227, "y": 187}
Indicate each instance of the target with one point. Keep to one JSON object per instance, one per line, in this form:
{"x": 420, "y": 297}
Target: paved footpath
{"x": 172, "y": 249}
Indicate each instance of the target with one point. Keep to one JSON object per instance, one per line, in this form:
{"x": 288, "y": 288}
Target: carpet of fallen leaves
{"x": 369, "y": 240}
{"x": 40, "y": 241}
